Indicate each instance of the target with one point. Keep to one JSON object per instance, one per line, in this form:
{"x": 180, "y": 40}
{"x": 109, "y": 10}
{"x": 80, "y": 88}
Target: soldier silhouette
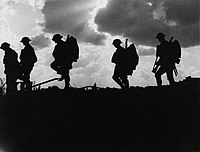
{"x": 62, "y": 63}
{"x": 119, "y": 58}
{"x": 27, "y": 60}
{"x": 165, "y": 62}
{"x": 11, "y": 67}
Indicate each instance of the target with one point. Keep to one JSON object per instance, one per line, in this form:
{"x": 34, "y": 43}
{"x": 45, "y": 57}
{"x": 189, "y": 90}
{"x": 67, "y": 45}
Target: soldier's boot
{"x": 64, "y": 76}
{"x": 67, "y": 81}
{"x": 172, "y": 82}
{"x": 126, "y": 82}
{"x": 61, "y": 78}
{"x": 118, "y": 81}
{"x": 159, "y": 81}
{"x": 29, "y": 86}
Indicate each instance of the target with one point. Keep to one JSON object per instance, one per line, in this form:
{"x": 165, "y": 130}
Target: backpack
{"x": 175, "y": 48}
{"x": 132, "y": 58}
{"x": 73, "y": 48}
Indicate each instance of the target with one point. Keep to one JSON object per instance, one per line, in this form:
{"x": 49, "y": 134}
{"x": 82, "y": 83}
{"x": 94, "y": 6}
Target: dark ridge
{"x": 102, "y": 119}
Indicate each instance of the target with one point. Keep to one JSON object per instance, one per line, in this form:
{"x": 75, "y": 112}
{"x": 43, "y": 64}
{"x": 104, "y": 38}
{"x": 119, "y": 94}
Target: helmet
{"x": 5, "y": 45}
{"x": 57, "y": 37}
{"x": 117, "y": 41}
{"x": 160, "y": 35}
{"x": 25, "y": 39}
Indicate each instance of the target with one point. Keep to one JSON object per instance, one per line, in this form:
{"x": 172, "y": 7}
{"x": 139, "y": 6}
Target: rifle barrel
{"x": 45, "y": 82}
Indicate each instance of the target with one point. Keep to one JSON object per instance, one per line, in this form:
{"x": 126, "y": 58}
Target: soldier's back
{"x": 28, "y": 55}
{"x": 11, "y": 62}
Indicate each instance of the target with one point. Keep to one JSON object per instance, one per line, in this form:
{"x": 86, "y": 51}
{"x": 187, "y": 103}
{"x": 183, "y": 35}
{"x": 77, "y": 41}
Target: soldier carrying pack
{"x": 168, "y": 53}
{"x": 65, "y": 53}
{"x": 175, "y": 57}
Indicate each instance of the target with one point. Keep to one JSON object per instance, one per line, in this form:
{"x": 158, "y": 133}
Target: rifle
{"x": 175, "y": 71}
{"x": 126, "y": 43}
{"x": 156, "y": 66}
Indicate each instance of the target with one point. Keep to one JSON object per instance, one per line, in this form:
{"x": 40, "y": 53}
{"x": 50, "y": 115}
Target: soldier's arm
{"x": 157, "y": 50}
{"x": 55, "y": 52}
{"x": 4, "y": 60}
{"x": 113, "y": 60}
{"x": 157, "y": 55}
{"x": 21, "y": 55}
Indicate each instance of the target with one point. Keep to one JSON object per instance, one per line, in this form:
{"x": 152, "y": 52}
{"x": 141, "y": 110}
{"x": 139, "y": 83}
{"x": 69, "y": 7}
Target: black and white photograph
{"x": 99, "y": 75}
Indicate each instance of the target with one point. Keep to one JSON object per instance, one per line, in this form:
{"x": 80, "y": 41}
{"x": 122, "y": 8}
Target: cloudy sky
{"x": 95, "y": 23}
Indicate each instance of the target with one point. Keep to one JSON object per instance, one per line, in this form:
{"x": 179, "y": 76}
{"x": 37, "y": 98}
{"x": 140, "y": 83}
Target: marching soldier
{"x": 62, "y": 63}
{"x": 11, "y": 67}
{"x": 120, "y": 71}
{"x": 27, "y": 60}
{"x": 164, "y": 60}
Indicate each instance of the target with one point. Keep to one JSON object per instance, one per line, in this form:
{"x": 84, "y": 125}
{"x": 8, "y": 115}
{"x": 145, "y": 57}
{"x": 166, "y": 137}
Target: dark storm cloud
{"x": 40, "y": 41}
{"x": 141, "y": 20}
{"x": 70, "y": 17}
{"x": 185, "y": 12}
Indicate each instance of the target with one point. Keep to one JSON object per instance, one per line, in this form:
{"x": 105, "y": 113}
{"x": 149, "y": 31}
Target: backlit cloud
{"x": 71, "y": 17}
{"x": 96, "y": 25}
{"x": 141, "y": 20}
{"x": 41, "y": 41}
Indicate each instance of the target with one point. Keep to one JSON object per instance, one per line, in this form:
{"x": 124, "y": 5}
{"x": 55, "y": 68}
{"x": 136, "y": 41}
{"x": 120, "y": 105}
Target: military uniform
{"x": 63, "y": 62}
{"x": 27, "y": 61}
{"x": 120, "y": 72}
{"x": 165, "y": 61}
{"x": 11, "y": 67}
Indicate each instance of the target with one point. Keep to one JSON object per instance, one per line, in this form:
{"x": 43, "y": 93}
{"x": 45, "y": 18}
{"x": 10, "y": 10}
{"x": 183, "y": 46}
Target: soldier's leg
{"x": 67, "y": 82}
{"x": 14, "y": 83}
{"x": 54, "y": 65}
{"x": 158, "y": 75}
{"x": 27, "y": 73}
{"x": 118, "y": 80}
{"x": 64, "y": 71}
{"x": 116, "y": 77}
{"x": 20, "y": 73}
{"x": 67, "y": 79}
{"x": 170, "y": 76}
{"x": 125, "y": 81}
{"x": 10, "y": 84}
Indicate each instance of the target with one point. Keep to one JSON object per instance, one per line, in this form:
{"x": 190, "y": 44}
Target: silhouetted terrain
{"x": 135, "y": 119}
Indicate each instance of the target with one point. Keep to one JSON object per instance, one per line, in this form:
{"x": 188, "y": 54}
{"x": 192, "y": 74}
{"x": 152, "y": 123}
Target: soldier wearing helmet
{"x": 57, "y": 37}
{"x": 119, "y": 59}
{"x": 11, "y": 67}
{"x": 27, "y": 60}
{"x": 160, "y": 36}
{"x": 5, "y": 46}
{"x": 62, "y": 63}
{"x": 163, "y": 62}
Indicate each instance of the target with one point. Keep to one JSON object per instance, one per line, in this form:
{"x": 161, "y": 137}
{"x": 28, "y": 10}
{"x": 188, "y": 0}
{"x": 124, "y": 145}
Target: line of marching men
{"x": 168, "y": 54}
{"x": 18, "y": 70}
{"x": 67, "y": 52}
{"x": 21, "y": 70}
